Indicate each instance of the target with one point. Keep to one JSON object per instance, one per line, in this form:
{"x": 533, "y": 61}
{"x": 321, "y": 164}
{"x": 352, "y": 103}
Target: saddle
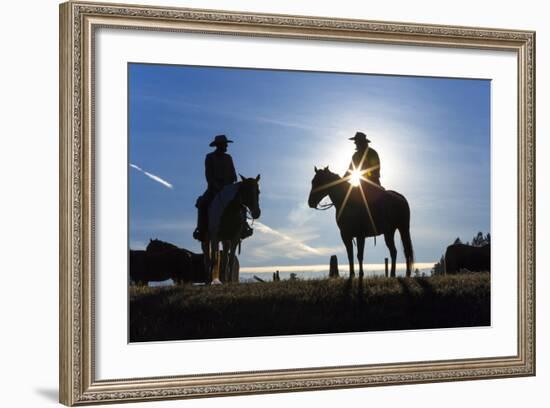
{"x": 218, "y": 205}
{"x": 213, "y": 209}
{"x": 375, "y": 217}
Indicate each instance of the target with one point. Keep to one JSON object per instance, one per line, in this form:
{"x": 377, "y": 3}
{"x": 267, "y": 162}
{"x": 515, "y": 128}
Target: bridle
{"x": 319, "y": 206}
{"x": 323, "y": 207}
{"x": 248, "y": 212}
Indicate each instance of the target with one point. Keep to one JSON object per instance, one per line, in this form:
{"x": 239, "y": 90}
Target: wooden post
{"x": 333, "y": 267}
{"x": 386, "y": 266}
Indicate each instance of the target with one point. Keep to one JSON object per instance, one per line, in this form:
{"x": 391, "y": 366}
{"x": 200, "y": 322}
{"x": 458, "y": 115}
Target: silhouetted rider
{"x": 219, "y": 172}
{"x": 219, "y": 168}
{"x": 365, "y": 159}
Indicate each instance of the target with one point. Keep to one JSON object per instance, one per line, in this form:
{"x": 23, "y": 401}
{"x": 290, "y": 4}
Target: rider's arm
{"x": 232, "y": 169}
{"x": 209, "y": 172}
{"x": 351, "y": 165}
{"x": 374, "y": 163}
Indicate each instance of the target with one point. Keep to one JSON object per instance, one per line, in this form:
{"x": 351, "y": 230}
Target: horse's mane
{"x": 331, "y": 174}
{"x": 220, "y": 202}
{"x": 337, "y": 176}
{"x": 228, "y": 192}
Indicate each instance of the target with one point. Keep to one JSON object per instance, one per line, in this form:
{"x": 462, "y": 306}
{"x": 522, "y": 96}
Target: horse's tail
{"x": 405, "y": 232}
{"x": 407, "y": 248}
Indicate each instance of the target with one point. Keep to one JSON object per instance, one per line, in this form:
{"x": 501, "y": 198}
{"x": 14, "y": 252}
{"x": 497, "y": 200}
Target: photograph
{"x": 267, "y": 202}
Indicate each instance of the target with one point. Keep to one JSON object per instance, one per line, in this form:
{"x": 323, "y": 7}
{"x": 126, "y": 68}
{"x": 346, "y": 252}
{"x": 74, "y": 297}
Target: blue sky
{"x": 432, "y": 136}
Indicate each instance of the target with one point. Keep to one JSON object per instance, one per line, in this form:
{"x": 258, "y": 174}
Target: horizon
{"x": 324, "y": 267}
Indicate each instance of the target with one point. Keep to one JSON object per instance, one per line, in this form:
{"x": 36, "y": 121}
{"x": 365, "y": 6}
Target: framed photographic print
{"x": 358, "y": 195}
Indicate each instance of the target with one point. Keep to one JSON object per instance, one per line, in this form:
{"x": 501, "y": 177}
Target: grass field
{"x": 308, "y": 307}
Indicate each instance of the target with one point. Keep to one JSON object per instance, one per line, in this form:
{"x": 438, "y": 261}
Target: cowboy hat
{"x": 220, "y": 139}
{"x": 360, "y": 136}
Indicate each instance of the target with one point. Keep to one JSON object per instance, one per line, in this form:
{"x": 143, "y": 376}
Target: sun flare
{"x": 355, "y": 177}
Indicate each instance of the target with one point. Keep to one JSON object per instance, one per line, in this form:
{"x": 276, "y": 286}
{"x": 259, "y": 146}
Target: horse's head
{"x": 320, "y": 185}
{"x": 156, "y": 245}
{"x": 250, "y": 195}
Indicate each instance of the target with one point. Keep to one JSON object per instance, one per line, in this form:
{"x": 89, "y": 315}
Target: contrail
{"x": 270, "y": 231}
{"x": 153, "y": 177}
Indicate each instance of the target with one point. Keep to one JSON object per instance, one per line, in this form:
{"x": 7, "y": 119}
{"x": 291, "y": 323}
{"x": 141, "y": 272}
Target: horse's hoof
{"x": 216, "y": 282}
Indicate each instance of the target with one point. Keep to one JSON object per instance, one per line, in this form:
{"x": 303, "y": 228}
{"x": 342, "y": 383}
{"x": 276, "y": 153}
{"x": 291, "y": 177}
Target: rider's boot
{"x": 198, "y": 234}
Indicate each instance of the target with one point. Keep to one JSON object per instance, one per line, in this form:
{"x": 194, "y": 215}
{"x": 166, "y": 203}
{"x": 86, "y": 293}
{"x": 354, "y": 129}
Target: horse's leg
{"x": 360, "y": 250}
{"x": 207, "y": 272}
{"x": 221, "y": 264}
{"x": 390, "y": 243}
{"x": 214, "y": 259}
{"x": 211, "y": 260}
{"x": 231, "y": 262}
{"x": 348, "y": 242}
{"x": 225, "y": 270}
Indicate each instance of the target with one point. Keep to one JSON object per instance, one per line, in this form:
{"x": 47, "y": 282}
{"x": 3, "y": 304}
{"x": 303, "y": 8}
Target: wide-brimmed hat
{"x": 360, "y": 136}
{"x": 220, "y": 139}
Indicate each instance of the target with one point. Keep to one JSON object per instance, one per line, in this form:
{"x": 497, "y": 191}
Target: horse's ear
{"x": 316, "y": 170}
{"x": 257, "y": 178}
{"x": 242, "y": 177}
{"x": 326, "y": 168}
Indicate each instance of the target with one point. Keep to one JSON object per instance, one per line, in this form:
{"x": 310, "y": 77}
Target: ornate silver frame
{"x": 78, "y": 22}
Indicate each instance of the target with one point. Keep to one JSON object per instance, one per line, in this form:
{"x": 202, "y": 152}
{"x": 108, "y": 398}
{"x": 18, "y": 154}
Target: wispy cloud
{"x": 178, "y": 102}
{"x": 153, "y": 177}
{"x": 300, "y": 215}
{"x": 270, "y": 243}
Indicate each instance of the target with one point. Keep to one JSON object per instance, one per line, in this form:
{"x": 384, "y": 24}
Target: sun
{"x": 355, "y": 177}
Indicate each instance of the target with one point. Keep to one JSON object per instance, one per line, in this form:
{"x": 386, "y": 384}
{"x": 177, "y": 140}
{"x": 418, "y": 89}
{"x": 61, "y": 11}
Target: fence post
{"x": 386, "y": 266}
{"x": 333, "y": 269}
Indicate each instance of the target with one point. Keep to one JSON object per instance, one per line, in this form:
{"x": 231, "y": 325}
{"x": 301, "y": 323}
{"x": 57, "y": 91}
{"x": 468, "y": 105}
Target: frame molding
{"x": 78, "y": 21}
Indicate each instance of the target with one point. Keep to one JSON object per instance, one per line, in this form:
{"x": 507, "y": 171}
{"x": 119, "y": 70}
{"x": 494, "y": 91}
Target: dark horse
{"x": 226, "y": 216}
{"x": 159, "y": 262}
{"x": 364, "y": 211}
{"x": 460, "y": 257}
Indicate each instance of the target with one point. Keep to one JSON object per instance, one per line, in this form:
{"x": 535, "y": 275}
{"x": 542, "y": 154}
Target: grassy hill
{"x": 308, "y": 307}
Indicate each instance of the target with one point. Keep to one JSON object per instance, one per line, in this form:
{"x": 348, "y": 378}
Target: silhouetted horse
{"x": 226, "y": 216}
{"x": 375, "y": 212}
{"x": 162, "y": 261}
{"x": 168, "y": 260}
{"x": 474, "y": 259}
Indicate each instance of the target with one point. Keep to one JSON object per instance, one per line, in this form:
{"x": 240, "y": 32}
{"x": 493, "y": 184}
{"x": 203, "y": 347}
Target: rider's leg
{"x": 201, "y": 224}
{"x": 202, "y": 218}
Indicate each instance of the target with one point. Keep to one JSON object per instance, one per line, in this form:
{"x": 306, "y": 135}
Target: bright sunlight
{"x": 355, "y": 177}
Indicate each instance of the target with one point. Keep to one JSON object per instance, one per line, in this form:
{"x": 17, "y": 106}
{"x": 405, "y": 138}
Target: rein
{"x": 323, "y": 207}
